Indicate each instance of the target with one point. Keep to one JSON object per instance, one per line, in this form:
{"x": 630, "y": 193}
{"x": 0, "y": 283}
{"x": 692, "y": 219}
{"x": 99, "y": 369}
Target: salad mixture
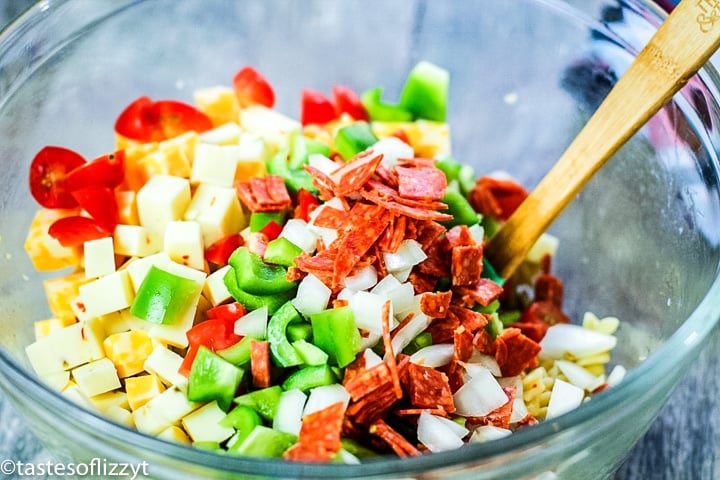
{"x": 311, "y": 290}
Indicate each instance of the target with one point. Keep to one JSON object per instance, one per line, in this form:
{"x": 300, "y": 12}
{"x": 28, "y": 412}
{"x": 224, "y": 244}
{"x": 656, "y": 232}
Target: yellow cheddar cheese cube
{"x": 142, "y": 389}
{"x": 134, "y": 152}
{"x": 45, "y": 252}
{"x": 219, "y": 103}
{"x": 127, "y": 208}
{"x": 429, "y": 139}
{"x": 128, "y": 351}
{"x": 61, "y": 291}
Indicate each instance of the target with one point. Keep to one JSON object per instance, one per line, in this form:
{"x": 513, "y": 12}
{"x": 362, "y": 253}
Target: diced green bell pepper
{"x": 207, "y": 445}
{"x": 251, "y": 301}
{"x": 259, "y": 220}
{"x": 492, "y": 307}
{"x": 295, "y": 179}
{"x": 213, "y": 378}
{"x": 335, "y": 332}
{"x": 422, "y": 340}
{"x": 463, "y": 213}
{"x": 489, "y": 271}
{"x": 353, "y": 139}
{"x": 257, "y": 277}
{"x": 380, "y": 111}
{"x": 163, "y": 297}
{"x": 509, "y": 317}
{"x": 490, "y": 226}
{"x": 243, "y": 419}
{"x": 494, "y": 326}
{"x": 301, "y": 330}
{"x": 264, "y": 442}
{"x": 283, "y": 354}
{"x": 357, "y": 449}
{"x": 461, "y": 173}
{"x": 239, "y": 353}
{"x": 281, "y": 251}
{"x": 425, "y": 92}
{"x": 310, "y": 354}
{"x": 310, "y": 377}
{"x": 302, "y": 148}
{"x": 263, "y": 401}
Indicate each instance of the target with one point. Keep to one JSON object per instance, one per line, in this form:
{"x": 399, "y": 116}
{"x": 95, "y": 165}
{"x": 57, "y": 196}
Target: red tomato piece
{"x": 147, "y": 121}
{"x": 107, "y": 170}
{"x": 101, "y": 203}
{"x": 307, "y": 202}
{"x": 227, "y": 311}
{"x": 251, "y": 88}
{"x": 316, "y": 108}
{"x": 48, "y": 174}
{"x": 75, "y": 230}
{"x": 272, "y": 230}
{"x": 219, "y": 252}
{"x": 347, "y": 101}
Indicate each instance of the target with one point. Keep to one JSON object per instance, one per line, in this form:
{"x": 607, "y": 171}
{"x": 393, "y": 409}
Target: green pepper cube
{"x": 310, "y": 377}
{"x": 239, "y": 353}
{"x": 278, "y": 163}
{"x": 282, "y": 352}
{"x": 309, "y": 353}
{"x": 380, "y": 111}
{"x": 425, "y": 92}
{"x": 163, "y": 297}
{"x": 301, "y": 330}
{"x": 257, "y": 277}
{"x": 422, "y": 340}
{"x": 302, "y": 148}
{"x": 213, "y": 378}
{"x": 264, "y": 442}
{"x": 243, "y": 419}
{"x": 263, "y": 401}
{"x": 259, "y": 220}
{"x": 489, "y": 271}
{"x": 335, "y": 332}
{"x": 282, "y": 251}
{"x": 357, "y": 448}
{"x": 463, "y": 213}
{"x": 252, "y": 301}
{"x": 353, "y": 139}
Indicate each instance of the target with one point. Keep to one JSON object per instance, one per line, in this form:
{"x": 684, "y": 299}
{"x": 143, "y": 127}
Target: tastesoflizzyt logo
{"x": 97, "y": 467}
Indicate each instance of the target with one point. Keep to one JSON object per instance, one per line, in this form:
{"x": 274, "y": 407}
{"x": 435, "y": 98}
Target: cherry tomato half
{"x": 145, "y": 120}
{"x": 75, "y": 230}
{"x": 251, "y": 88}
{"x": 101, "y": 203}
{"x": 316, "y": 108}
{"x": 107, "y": 170}
{"x": 48, "y": 173}
{"x": 347, "y": 101}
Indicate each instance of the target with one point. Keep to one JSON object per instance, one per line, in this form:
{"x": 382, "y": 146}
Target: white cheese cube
{"x": 175, "y": 434}
{"x": 110, "y": 293}
{"x": 163, "y": 411}
{"x": 274, "y": 127}
{"x": 120, "y": 415}
{"x": 96, "y": 377}
{"x": 123, "y": 321}
{"x": 225, "y": 134}
{"x": 203, "y": 425}
{"x": 250, "y": 148}
{"x": 217, "y": 210}
{"x": 183, "y": 243}
{"x": 162, "y": 199}
{"x": 136, "y": 241}
{"x": 57, "y": 380}
{"x": 165, "y": 363}
{"x": 214, "y": 165}
{"x": 107, "y": 400}
{"x": 77, "y": 396}
{"x": 99, "y": 257}
{"x": 65, "y": 349}
{"x": 214, "y": 289}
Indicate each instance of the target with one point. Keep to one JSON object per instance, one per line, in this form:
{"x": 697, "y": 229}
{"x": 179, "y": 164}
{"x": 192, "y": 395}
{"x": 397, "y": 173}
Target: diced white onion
{"x": 392, "y": 149}
{"x": 252, "y": 324}
{"x": 434, "y": 355}
{"x": 367, "y": 309}
{"x": 409, "y": 254}
{"x": 322, "y": 163}
{"x": 485, "y": 433}
{"x": 327, "y": 235}
{"x": 370, "y": 340}
{"x": 288, "y": 416}
{"x": 348, "y": 457}
{"x": 477, "y": 232}
{"x": 371, "y": 358}
{"x": 402, "y": 275}
{"x": 578, "y": 342}
{"x": 578, "y": 375}
{"x": 385, "y": 285}
{"x": 324, "y": 396}
{"x": 435, "y": 433}
{"x": 480, "y": 395}
{"x": 296, "y": 230}
{"x": 365, "y": 278}
{"x": 486, "y": 361}
{"x": 519, "y": 410}
{"x": 404, "y": 336}
{"x": 616, "y": 375}
{"x": 312, "y": 295}
{"x": 563, "y": 398}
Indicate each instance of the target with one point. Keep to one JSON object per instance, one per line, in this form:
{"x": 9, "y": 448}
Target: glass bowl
{"x": 640, "y": 242}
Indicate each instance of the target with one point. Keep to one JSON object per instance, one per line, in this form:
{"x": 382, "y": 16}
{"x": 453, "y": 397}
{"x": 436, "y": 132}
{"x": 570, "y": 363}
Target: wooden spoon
{"x": 683, "y": 43}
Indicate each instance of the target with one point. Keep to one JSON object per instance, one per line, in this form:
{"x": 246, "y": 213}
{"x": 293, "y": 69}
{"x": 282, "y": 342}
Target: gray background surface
{"x": 684, "y": 442}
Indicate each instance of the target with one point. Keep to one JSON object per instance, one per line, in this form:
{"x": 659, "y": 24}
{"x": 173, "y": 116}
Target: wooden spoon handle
{"x": 683, "y": 43}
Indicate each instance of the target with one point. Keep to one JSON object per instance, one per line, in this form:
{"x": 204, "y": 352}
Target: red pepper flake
{"x": 319, "y": 437}
{"x": 514, "y": 352}
{"x": 397, "y": 442}
{"x": 260, "y": 363}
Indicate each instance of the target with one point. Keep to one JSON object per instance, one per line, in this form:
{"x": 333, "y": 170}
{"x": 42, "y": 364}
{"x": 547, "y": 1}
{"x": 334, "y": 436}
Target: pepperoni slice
{"x": 466, "y": 265}
{"x": 260, "y": 363}
{"x": 514, "y": 352}
{"x": 421, "y": 183}
{"x": 319, "y": 437}
{"x": 427, "y": 387}
{"x": 394, "y": 440}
